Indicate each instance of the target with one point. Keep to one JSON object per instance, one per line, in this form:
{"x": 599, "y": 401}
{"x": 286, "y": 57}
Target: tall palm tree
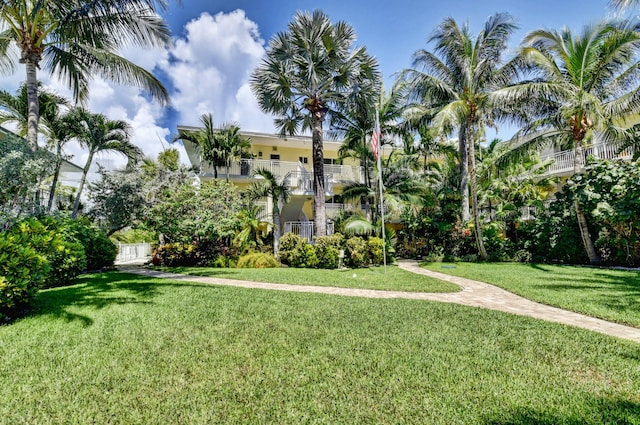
{"x": 278, "y": 190}
{"x": 355, "y": 120}
{"x": 308, "y": 71}
{"x": 75, "y": 40}
{"x": 584, "y": 87}
{"x": 98, "y": 134}
{"x": 454, "y": 85}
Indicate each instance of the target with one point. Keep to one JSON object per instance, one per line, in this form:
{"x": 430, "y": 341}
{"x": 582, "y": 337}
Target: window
{"x": 303, "y": 159}
{"x": 275, "y": 157}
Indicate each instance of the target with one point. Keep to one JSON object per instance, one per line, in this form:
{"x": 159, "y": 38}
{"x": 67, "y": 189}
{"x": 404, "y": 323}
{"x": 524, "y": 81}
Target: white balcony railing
{"x": 246, "y": 167}
{"x": 301, "y": 182}
{"x": 333, "y": 209}
{"x": 304, "y": 229}
{"x": 563, "y": 161}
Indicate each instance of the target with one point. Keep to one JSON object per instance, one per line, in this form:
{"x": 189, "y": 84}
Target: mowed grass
{"x": 612, "y": 295}
{"x": 125, "y": 349}
{"x": 395, "y": 279}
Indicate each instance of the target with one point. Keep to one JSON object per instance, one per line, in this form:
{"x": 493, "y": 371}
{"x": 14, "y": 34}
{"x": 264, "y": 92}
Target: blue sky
{"x": 217, "y": 44}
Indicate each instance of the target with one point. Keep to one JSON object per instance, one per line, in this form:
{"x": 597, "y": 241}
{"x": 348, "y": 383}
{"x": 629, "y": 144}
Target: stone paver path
{"x": 473, "y": 293}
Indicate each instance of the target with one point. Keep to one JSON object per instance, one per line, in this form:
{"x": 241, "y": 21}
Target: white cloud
{"x": 208, "y": 70}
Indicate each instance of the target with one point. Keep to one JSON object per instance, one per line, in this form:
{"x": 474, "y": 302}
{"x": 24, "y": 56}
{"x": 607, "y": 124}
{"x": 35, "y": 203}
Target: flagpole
{"x": 379, "y": 158}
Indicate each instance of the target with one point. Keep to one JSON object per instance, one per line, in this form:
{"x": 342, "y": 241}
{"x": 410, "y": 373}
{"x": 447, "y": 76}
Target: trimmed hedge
{"x": 325, "y": 253}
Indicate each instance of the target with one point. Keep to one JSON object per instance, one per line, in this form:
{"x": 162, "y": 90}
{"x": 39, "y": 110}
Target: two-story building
{"x": 289, "y": 158}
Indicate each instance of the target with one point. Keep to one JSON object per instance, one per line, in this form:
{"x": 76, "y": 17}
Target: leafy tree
{"x": 308, "y": 71}
{"x": 15, "y": 110}
{"x": 21, "y": 172}
{"x": 583, "y": 89}
{"x": 278, "y": 190}
{"x": 453, "y": 85}
{"x": 205, "y": 214}
{"x": 117, "y": 199}
{"x": 77, "y": 40}
{"x": 98, "y": 134}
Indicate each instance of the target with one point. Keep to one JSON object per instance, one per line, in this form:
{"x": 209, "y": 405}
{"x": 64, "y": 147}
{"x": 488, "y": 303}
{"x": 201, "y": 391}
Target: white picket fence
{"x": 133, "y": 251}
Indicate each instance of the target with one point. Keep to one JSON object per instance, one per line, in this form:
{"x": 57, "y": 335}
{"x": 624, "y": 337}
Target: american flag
{"x": 375, "y": 138}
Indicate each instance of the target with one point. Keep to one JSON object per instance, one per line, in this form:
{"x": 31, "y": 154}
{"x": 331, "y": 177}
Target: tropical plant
{"x": 78, "y": 40}
{"x": 233, "y": 145}
{"x": 354, "y": 123}
{"x": 15, "y": 110}
{"x": 279, "y": 191}
{"x": 207, "y": 142}
{"x": 98, "y": 134}
{"x": 583, "y": 88}
{"x": 452, "y": 88}
{"x": 308, "y": 71}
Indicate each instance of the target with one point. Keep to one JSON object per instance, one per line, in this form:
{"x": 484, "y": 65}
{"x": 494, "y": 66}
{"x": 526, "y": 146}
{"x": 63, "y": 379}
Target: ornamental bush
{"x": 328, "y": 250}
{"x": 100, "y": 251}
{"x": 375, "y": 250}
{"x": 175, "y": 254}
{"x": 357, "y": 254}
{"x": 296, "y": 252}
{"x": 66, "y": 256}
{"x": 23, "y": 272}
{"x": 257, "y": 260}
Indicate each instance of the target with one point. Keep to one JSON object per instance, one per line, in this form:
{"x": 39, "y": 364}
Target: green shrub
{"x": 357, "y": 254}
{"x": 175, "y": 254}
{"x": 375, "y": 248}
{"x": 66, "y": 256}
{"x": 100, "y": 251}
{"x": 257, "y": 260}
{"x": 328, "y": 250}
{"x": 296, "y": 252}
{"x": 23, "y": 271}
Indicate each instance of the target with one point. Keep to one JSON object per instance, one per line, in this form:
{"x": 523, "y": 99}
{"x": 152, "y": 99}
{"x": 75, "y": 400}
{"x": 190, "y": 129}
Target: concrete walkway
{"x": 474, "y": 293}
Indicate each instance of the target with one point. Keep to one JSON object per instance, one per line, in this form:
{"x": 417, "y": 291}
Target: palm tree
{"x": 308, "y": 71}
{"x": 15, "y": 109}
{"x": 453, "y": 86}
{"x": 278, "y": 190}
{"x": 76, "y": 40}
{"x": 584, "y": 87}
{"x": 624, "y": 4}
{"x": 354, "y": 123}
{"x": 98, "y": 134}
{"x": 233, "y": 145}
{"x": 207, "y": 142}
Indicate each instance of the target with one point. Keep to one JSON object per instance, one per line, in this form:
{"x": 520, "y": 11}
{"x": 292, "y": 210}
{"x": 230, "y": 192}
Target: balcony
{"x": 244, "y": 168}
{"x": 301, "y": 183}
{"x": 563, "y": 161}
{"x": 304, "y": 229}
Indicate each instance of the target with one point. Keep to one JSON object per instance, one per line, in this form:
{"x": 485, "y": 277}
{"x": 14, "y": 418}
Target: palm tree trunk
{"x": 464, "y": 175}
{"x": 76, "y": 204}
{"x": 583, "y": 223}
{"x": 54, "y": 183}
{"x": 276, "y": 233}
{"x": 319, "y": 210}
{"x": 474, "y": 193}
{"x": 33, "y": 112}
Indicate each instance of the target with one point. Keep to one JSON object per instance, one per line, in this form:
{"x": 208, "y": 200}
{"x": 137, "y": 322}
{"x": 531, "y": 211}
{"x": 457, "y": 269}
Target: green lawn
{"x": 125, "y": 349}
{"x": 395, "y": 279}
{"x": 608, "y": 294}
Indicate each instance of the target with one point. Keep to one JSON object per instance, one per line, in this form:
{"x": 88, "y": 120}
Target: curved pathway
{"x": 473, "y": 293}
